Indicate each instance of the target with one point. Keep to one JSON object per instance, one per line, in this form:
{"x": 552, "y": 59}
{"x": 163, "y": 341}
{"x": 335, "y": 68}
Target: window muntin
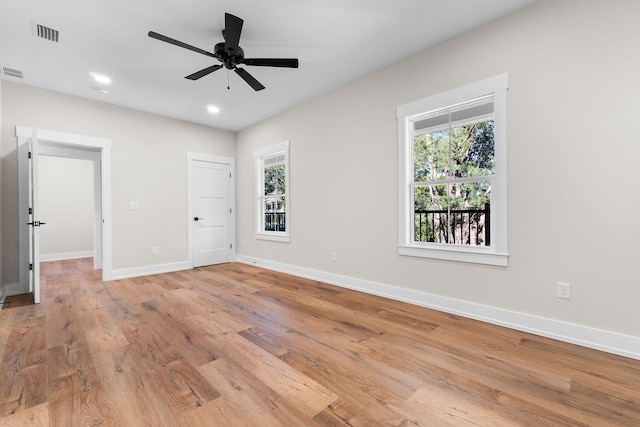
{"x": 453, "y": 188}
{"x": 272, "y": 187}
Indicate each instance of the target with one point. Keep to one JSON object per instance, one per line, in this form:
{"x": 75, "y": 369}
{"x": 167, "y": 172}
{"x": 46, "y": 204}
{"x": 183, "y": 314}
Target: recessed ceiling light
{"x": 100, "y": 78}
{"x": 213, "y": 109}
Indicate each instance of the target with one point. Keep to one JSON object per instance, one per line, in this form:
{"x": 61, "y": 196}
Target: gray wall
{"x": 148, "y": 166}
{"x": 573, "y": 151}
{"x": 66, "y": 204}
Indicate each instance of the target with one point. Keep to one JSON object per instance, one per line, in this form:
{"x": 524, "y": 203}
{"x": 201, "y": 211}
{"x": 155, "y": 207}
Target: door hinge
{"x": 229, "y": 174}
{"x": 30, "y": 211}
{"x": 230, "y": 210}
{"x": 30, "y": 267}
{"x": 230, "y": 245}
{"x": 29, "y": 154}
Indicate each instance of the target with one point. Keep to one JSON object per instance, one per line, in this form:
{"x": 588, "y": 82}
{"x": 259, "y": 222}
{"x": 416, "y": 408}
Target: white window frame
{"x": 259, "y": 156}
{"x": 497, "y": 253}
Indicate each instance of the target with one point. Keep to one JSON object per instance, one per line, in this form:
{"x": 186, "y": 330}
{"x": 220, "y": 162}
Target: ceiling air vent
{"x": 10, "y": 72}
{"x": 47, "y": 33}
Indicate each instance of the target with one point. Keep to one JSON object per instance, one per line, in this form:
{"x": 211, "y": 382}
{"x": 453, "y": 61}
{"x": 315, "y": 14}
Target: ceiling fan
{"x": 230, "y": 54}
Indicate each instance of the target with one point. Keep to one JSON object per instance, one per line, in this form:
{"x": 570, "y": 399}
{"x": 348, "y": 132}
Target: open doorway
{"x": 67, "y": 203}
{"x": 32, "y": 143}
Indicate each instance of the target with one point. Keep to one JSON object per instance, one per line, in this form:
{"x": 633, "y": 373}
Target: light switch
{"x": 133, "y": 206}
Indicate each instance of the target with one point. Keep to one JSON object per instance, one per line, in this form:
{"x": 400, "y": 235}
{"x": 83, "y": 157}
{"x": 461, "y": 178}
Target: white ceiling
{"x": 336, "y": 41}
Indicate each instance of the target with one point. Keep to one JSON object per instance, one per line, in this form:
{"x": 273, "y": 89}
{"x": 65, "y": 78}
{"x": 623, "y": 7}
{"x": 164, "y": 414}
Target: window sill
{"x": 275, "y": 237}
{"x": 475, "y": 256}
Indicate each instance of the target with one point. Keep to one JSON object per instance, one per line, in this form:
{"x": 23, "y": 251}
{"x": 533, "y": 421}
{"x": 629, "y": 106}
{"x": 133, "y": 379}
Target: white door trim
{"x": 63, "y": 140}
{"x": 190, "y": 193}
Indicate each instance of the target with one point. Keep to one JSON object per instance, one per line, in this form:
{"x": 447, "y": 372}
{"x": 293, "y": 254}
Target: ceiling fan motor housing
{"x": 229, "y": 59}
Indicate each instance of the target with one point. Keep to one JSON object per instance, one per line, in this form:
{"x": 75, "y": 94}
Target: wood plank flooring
{"x": 236, "y": 345}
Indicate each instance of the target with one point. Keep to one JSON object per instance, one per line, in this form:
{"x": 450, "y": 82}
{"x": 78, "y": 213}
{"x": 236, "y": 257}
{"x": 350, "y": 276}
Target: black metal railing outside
{"x": 461, "y": 226}
{"x": 275, "y": 221}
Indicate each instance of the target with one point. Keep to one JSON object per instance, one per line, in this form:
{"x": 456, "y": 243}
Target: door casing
{"x": 59, "y": 142}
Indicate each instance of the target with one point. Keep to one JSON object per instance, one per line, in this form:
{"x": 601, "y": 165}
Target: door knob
{"x": 197, "y": 218}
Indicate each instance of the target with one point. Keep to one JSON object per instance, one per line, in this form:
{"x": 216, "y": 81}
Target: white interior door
{"x": 34, "y": 222}
{"x": 212, "y": 212}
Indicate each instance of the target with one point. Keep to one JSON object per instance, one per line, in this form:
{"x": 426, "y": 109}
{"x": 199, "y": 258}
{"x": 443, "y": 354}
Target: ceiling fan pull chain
{"x": 228, "y": 84}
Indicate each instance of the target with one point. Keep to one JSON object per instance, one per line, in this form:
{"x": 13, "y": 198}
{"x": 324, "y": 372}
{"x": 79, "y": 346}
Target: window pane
{"x": 274, "y": 182}
{"x": 472, "y": 149}
{"x": 470, "y": 213}
{"x": 431, "y": 156}
{"x": 457, "y": 213}
{"x": 465, "y": 195}
{"x": 275, "y": 214}
{"x": 431, "y": 209}
{"x": 280, "y": 179}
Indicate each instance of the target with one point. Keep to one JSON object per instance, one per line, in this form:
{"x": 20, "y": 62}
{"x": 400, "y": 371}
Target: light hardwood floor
{"x": 236, "y": 345}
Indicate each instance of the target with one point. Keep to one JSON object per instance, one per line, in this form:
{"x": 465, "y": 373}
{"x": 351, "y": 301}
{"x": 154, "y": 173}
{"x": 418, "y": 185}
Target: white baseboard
{"x": 65, "y": 255}
{"x": 3, "y": 296}
{"x": 147, "y": 270}
{"x": 611, "y": 342}
{"x": 15, "y": 289}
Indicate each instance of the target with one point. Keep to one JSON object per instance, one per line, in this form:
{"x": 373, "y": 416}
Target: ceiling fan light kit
{"x": 230, "y": 54}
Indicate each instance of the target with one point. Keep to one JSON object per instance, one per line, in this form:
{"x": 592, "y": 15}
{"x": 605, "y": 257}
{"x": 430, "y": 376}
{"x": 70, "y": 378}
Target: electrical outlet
{"x": 333, "y": 256}
{"x": 564, "y": 290}
{"x": 154, "y": 250}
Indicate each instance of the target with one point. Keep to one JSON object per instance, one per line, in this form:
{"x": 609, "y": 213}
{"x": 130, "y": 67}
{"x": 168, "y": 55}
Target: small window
{"x": 272, "y": 204}
{"x": 453, "y": 174}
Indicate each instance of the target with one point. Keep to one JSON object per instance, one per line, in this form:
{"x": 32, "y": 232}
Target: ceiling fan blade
{"x": 272, "y": 62}
{"x": 232, "y": 31}
{"x": 199, "y": 74}
{"x": 178, "y": 43}
{"x": 256, "y": 85}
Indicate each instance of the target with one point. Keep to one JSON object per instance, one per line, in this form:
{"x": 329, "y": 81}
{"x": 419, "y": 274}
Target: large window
{"x": 272, "y": 205}
{"x": 453, "y": 174}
